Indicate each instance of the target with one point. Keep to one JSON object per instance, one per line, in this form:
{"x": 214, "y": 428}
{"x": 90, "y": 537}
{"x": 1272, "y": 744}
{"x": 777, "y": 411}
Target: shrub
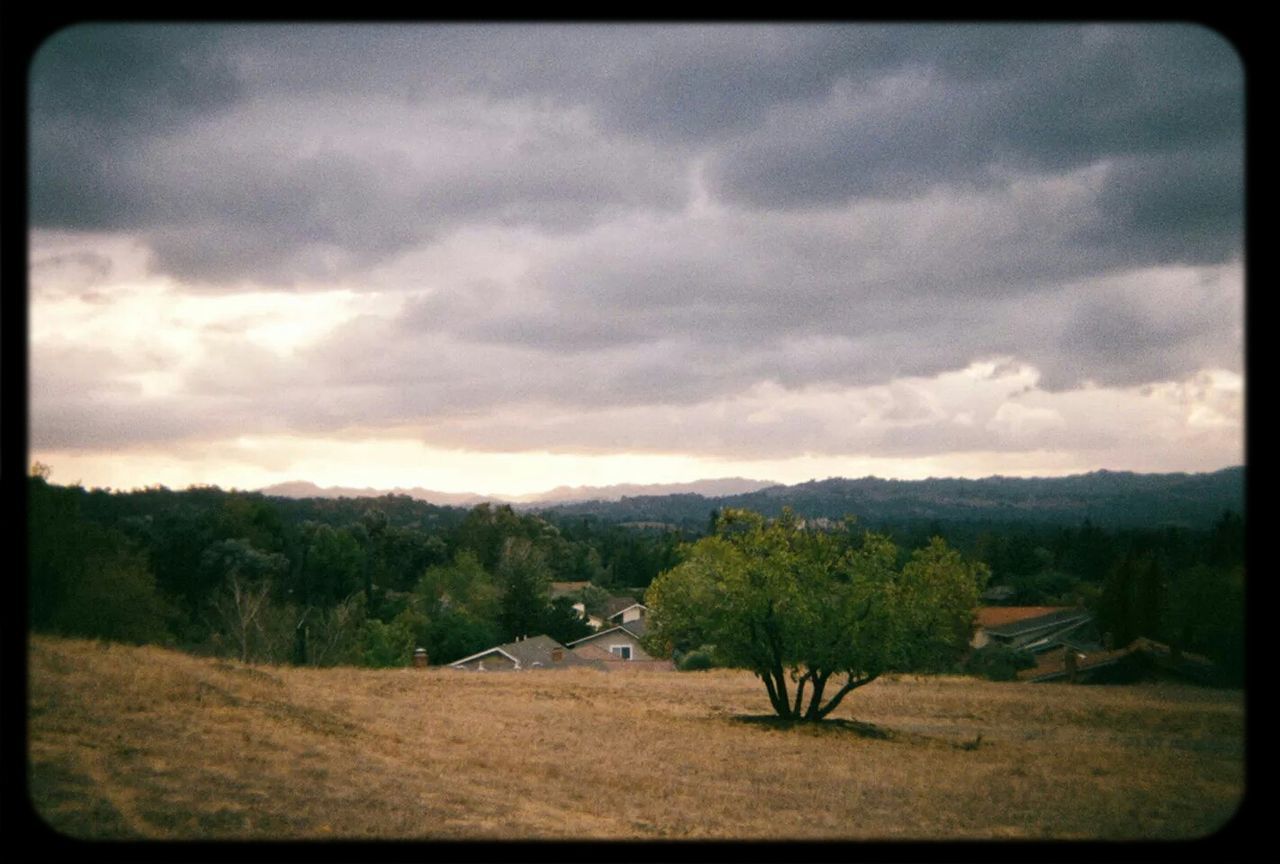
{"x": 997, "y": 662}
{"x": 696, "y": 660}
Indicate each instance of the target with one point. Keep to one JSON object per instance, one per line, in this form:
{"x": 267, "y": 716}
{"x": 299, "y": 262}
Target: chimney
{"x": 557, "y": 654}
{"x": 420, "y": 658}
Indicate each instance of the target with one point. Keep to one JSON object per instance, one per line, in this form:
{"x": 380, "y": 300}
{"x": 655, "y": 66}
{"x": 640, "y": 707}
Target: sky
{"x": 504, "y": 258}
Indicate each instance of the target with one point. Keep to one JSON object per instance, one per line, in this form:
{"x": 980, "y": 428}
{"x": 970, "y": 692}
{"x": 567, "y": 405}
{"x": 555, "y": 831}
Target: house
{"x": 631, "y": 612}
{"x": 1034, "y": 628}
{"x": 617, "y": 644}
{"x": 1142, "y": 659}
{"x": 532, "y": 652}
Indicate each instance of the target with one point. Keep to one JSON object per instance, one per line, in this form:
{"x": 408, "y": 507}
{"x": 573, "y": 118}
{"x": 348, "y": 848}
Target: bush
{"x": 386, "y": 645}
{"x": 997, "y": 662}
{"x": 696, "y": 660}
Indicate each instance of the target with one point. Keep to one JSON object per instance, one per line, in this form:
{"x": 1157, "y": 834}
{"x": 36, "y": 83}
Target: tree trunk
{"x": 795, "y": 709}
{"x": 851, "y": 685}
{"x": 780, "y": 706}
{"x": 815, "y": 701}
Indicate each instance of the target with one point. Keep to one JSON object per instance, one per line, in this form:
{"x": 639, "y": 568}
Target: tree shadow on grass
{"x": 840, "y": 726}
{"x": 821, "y": 727}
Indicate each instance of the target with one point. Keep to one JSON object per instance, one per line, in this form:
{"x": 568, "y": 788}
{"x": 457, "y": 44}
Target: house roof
{"x": 614, "y": 605}
{"x": 1053, "y": 664}
{"x": 992, "y": 617}
{"x": 636, "y": 628}
{"x": 632, "y": 605}
{"x": 527, "y": 653}
{"x": 1022, "y": 626}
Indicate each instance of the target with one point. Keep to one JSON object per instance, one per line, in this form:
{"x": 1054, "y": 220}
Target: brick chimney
{"x": 557, "y": 654}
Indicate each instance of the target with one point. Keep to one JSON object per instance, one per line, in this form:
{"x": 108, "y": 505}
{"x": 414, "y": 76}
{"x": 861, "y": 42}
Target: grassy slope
{"x": 143, "y": 742}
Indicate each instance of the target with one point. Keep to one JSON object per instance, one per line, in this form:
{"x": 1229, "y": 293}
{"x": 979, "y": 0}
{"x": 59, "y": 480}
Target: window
{"x": 623, "y": 651}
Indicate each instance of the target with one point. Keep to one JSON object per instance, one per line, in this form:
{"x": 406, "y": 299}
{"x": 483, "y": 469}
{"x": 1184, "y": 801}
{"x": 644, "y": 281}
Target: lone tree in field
{"x": 800, "y": 605}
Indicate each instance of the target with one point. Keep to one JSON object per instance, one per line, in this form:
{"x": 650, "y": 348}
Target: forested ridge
{"x": 364, "y": 581}
{"x": 1119, "y": 499}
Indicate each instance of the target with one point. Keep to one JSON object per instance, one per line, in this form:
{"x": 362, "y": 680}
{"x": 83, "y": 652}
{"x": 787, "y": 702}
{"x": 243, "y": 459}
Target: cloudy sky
{"x": 500, "y": 259}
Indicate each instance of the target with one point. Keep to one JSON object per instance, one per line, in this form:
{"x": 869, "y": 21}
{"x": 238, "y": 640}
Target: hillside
{"x": 1107, "y": 498}
{"x": 148, "y": 743}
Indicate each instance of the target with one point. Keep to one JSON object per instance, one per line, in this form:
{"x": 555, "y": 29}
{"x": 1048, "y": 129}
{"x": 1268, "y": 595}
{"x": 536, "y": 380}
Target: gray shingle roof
{"x": 534, "y": 652}
{"x": 1030, "y": 625}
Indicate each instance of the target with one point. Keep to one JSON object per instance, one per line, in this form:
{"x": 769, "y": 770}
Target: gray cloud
{"x": 187, "y": 135}
{"x": 690, "y": 211}
{"x": 1165, "y": 103}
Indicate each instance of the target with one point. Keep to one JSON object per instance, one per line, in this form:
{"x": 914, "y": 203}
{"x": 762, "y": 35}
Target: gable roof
{"x": 528, "y": 653}
{"x": 615, "y": 605}
{"x": 632, "y": 605}
{"x": 635, "y": 628}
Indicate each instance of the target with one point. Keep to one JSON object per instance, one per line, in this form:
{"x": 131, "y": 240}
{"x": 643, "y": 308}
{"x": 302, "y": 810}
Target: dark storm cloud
{"x": 1183, "y": 206}
{"x": 171, "y": 131}
{"x": 1164, "y": 102}
{"x": 96, "y": 93}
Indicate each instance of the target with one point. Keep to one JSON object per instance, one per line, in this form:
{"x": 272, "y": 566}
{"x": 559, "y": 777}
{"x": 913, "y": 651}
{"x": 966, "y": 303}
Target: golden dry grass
{"x": 144, "y": 742}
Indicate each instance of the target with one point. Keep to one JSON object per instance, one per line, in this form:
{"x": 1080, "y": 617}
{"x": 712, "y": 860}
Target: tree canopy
{"x": 799, "y": 604}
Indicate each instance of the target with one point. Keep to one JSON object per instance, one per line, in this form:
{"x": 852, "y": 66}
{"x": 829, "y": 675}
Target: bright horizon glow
{"x": 254, "y": 462}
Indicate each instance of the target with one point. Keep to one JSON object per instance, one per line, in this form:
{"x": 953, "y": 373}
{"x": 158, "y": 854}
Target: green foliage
{"x": 560, "y": 621}
{"x": 1206, "y": 615}
{"x": 463, "y": 585}
{"x": 332, "y": 568}
{"x": 387, "y": 645}
{"x": 696, "y": 660}
{"x": 252, "y": 518}
{"x": 524, "y": 580}
{"x": 998, "y": 662}
{"x": 460, "y": 603}
{"x": 239, "y": 558}
{"x": 154, "y": 561}
{"x": 451, "y": 635}
{"x": 795, "y": 603}
{"x": 115, "y": 598}
{"x": 87, "y": 580}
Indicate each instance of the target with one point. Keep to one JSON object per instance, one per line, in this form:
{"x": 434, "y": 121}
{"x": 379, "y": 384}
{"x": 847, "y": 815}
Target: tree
{"x": 795, "y": 604}
{"x": 116, "y": 597}
{"x": 524, "y": 578}
{"x": 238, "y": 608}
{"x": 461, "y": 603}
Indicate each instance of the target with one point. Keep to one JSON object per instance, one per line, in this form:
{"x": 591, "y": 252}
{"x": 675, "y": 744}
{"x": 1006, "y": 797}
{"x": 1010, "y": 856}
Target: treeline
{"x": 365, "y": 581}
{"x": 1116, "y": 499}
{"x": 318, "y": 581}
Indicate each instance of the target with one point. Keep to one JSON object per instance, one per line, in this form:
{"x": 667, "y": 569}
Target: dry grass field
{"x": 131, "y": 742}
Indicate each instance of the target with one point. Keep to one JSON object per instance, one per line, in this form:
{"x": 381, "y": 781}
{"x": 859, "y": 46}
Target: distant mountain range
{"x": 559, "y": 495}
{"x": 1111, "y": 498}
